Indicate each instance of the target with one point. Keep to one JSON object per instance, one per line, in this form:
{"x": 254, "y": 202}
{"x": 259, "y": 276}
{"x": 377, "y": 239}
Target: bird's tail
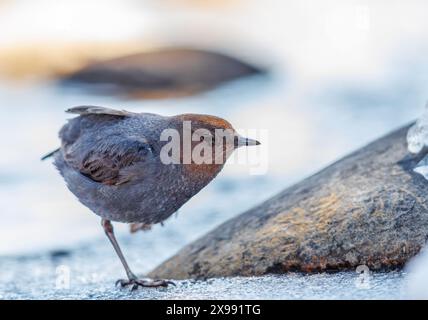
{"x": 50, "y": 154}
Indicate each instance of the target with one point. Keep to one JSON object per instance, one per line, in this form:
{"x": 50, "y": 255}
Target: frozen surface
{"x": 417, "y": 284}
{"x": 417, "y": 136}
{"x": 422, "y": 167}
{"x": 417, "y": 139}
{"x": 91, "y": 273}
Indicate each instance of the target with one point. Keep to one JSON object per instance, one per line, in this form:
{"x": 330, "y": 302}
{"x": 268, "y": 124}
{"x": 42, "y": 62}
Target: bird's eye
{"x": 207, "y": 139}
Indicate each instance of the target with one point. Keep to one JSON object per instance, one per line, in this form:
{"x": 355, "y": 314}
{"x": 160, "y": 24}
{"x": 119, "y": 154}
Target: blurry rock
{"x": 369, "y": 208}
{"x": 162, "y": 73}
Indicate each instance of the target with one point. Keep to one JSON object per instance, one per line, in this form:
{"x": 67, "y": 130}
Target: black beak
{"x": 241, "y": 141}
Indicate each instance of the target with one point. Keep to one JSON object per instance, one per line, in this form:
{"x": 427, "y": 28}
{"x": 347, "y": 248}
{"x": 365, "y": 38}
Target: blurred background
{"x": 322, "y": 77}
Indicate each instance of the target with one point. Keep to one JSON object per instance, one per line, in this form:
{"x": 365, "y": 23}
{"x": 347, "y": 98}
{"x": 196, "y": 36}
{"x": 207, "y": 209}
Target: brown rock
{"x": 367, "y": 208}
{"x": 162, "y": 73}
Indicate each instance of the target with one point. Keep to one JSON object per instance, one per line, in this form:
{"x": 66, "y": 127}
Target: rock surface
{"x": 367, "y": 208}
{"x": 162, "y": 73}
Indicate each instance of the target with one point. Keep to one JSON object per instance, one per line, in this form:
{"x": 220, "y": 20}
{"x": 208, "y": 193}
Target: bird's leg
{"x": 132, "y": 278}
{"x": 108, "y": 229}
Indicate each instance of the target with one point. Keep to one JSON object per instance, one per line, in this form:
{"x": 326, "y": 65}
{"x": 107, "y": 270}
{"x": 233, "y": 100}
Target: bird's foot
{"x": 135, "y": 283}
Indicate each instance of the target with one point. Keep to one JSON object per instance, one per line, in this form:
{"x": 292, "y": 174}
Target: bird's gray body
{"x": 110, "y": 162}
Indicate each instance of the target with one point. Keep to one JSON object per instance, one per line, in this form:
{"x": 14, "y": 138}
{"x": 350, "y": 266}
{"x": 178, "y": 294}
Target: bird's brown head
{"x": 211, "y": 140}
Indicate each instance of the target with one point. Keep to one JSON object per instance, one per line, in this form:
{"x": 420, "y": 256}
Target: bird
{"x": 138, "y": 168}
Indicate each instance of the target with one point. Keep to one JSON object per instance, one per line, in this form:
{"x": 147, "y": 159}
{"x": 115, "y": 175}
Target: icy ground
{"x": 90, "y": 273}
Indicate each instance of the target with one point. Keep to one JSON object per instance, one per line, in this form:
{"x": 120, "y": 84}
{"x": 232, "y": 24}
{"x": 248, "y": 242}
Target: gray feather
{"x": 85, "y": 110}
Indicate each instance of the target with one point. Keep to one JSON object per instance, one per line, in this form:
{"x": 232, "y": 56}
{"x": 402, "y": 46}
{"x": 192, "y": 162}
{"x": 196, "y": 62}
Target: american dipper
{"x": 126, "y": 167}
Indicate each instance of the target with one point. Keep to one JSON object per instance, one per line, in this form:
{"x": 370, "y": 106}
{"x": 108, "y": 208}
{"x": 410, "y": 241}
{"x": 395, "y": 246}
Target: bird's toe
{"x": 135, "y": 283}
{"x": 123, "y": 282}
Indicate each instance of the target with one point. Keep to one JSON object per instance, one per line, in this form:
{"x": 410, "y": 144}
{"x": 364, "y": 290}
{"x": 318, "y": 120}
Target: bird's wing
{"x": 103, "y": 156}
{"x": 71, "y": 130}
{"x": 85, "y": 110}
{"x": 113, "y": 161}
